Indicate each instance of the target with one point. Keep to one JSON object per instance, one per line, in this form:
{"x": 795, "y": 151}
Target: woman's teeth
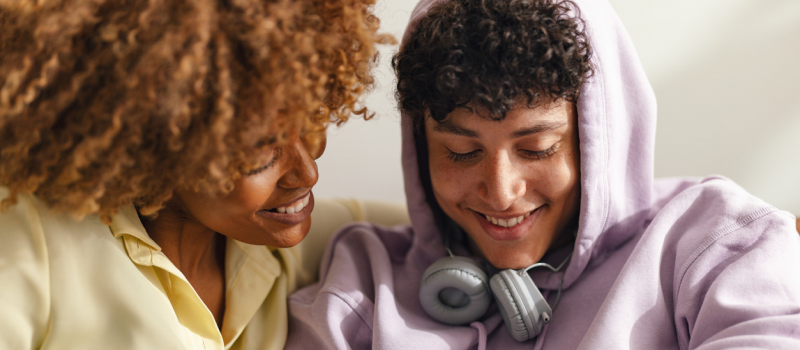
{"x": 507, "y": 223}
{"x": 294, "y": 207}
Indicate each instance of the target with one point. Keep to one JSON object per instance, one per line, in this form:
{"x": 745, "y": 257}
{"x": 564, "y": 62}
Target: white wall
{"x": 725, "y": 73}
{"x": 362, "y": 158}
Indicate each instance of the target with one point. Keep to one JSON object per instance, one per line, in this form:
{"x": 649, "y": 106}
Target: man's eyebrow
{"x": 538, "y": 128}
{"x": 456, "y": 130}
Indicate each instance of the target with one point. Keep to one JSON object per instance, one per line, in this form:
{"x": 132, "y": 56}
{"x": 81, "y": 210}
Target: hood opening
{"x": 616, "y": 127}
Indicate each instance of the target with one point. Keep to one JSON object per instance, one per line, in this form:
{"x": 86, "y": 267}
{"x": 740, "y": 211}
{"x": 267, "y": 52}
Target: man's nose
{"x": 502, "y": 184}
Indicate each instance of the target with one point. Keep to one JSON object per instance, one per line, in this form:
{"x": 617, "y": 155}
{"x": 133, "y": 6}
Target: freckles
{"x": 554, "y": 178}
{"x": 447, "y": 183}
{"x": 565, "y": 175}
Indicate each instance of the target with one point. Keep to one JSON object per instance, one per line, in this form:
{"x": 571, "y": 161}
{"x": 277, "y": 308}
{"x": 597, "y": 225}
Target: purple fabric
{"x": 668, "y": 264}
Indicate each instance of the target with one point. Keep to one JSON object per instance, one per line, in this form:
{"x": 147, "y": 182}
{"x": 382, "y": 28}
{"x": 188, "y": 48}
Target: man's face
{"x": 512, "y": 185}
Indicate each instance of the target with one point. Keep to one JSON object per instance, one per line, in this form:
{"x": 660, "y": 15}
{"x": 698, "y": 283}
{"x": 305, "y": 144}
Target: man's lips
{"x": 507, "y": 227}
{"x": 290, "y": 217}
{"x": 507, "y": 220}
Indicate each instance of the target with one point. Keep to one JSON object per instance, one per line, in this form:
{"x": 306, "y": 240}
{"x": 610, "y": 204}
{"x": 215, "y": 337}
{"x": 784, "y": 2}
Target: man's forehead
{"x": 469, "y": 122}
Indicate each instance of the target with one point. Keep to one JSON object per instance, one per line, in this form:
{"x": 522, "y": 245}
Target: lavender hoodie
{"x": 670, "y": 264}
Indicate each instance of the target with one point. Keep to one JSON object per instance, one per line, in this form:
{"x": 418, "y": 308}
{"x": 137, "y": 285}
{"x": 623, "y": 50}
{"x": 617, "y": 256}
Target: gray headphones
{"x": 454, "y": 290}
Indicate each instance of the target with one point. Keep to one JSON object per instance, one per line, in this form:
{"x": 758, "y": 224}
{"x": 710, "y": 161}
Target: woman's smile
{"x": 291, "y": 213}
{"x": 292, "y": 207}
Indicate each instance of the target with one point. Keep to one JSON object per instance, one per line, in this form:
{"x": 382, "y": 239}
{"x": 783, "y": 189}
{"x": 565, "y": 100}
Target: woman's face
{"x": 512, "y": 185}
{"x": 269, "y": 206}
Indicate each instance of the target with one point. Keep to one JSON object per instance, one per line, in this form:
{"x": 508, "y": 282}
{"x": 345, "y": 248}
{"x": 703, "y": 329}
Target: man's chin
{"x": 511, "y": 259}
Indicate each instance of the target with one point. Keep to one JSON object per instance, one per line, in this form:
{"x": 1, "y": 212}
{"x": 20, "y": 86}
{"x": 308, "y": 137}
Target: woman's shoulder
{"x": 24, "y": 270}
{"x": 31, "y": 220}
{"x": 39, "y": 242}
{"x": 20, "y": 224}
{"x": 20, "y": 219}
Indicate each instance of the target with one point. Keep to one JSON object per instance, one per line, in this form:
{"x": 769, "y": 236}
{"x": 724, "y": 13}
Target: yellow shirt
{"x": 67, "y": 284}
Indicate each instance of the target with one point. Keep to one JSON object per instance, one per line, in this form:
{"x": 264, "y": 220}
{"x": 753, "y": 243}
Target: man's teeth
{"x": 507, "y": 223}
{"x": 294, "y": 207}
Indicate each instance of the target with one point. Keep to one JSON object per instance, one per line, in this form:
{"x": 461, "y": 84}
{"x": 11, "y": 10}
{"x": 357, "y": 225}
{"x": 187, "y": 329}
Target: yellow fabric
{"x": 67, "y": 284}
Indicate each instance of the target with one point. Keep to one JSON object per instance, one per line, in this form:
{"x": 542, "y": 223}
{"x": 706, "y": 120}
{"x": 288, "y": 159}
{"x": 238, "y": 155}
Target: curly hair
{"x": 488, "y": 55}
{"x": 106, "y": 103}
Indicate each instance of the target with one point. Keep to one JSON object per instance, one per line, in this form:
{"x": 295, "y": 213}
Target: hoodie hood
{"x": 616, "y": 126}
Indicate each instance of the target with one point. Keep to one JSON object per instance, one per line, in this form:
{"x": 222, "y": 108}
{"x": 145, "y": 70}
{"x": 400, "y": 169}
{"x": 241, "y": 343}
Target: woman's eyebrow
{"x": 546, "y": 126}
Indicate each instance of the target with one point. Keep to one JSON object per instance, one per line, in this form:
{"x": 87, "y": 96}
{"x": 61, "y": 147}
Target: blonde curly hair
{"x": 106, "y": 103}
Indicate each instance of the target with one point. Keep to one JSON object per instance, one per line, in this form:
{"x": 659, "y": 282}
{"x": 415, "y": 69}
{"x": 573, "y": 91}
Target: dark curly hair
{"x": 104, "y": 103}
{"x": 492, "y": 55}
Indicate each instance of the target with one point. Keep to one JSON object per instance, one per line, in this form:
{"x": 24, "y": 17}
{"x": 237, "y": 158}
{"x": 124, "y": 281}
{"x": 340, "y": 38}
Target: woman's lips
{"x": 293, "y": 207}
{"x": 290, "y": 217}
{"x": 516, "y": 231}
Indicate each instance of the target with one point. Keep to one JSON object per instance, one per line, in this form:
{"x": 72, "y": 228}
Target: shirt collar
{"x": 251, "y": 273}
{"x": 251, "y": 270}
{"x": 127, "y": 222}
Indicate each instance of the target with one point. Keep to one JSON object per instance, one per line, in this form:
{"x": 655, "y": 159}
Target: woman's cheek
{"x": 250, "y": 193}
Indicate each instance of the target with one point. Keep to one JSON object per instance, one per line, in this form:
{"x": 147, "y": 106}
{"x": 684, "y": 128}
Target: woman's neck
{"x": 197, "y": 251}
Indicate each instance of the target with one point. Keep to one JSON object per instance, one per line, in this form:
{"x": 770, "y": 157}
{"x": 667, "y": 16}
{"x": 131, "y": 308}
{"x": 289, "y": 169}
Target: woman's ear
{"x": 798, "y": 225}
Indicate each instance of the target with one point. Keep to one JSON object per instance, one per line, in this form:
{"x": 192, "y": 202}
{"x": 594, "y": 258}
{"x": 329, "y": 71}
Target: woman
{"x": 528, "y": 132}
{"x": 157, "y": 165}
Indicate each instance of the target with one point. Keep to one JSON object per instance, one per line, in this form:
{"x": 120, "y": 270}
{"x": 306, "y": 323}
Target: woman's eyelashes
{"x": 271, "y": 162}
{"x": 535, "y": 155}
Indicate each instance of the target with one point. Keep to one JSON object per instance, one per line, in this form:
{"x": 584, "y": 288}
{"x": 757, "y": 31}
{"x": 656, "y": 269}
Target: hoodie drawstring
{"x": 481, "y": 334}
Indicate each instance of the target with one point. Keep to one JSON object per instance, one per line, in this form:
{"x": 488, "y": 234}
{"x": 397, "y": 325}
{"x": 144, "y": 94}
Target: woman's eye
{"x": 538, "y": 155}
{"x": 462, "y": 157}
{"x": 271, "y": 162}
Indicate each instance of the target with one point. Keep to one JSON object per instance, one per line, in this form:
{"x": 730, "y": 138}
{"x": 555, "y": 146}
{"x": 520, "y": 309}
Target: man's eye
{"x": 538, "y": 155}
{"x": 462, "y": 157}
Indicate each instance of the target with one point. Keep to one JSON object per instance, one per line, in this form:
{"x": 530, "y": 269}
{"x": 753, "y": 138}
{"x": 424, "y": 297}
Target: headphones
{"x": 454, "y": 290}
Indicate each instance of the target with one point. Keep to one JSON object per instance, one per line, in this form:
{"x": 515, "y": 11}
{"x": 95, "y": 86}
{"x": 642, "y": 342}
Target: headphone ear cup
{"x": 522, "y": 306}
{"x": 454, "y": 290}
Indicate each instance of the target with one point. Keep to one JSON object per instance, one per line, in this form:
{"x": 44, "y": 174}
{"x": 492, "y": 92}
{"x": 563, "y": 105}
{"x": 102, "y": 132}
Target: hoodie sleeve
{"x": 744, "y": 289}
{"x": 337, "y": 312}
{"x": 333, "y": 320}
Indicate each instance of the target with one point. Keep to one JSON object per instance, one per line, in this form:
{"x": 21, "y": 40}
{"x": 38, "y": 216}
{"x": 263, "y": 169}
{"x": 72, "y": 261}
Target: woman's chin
{"x": 286, "y": 237}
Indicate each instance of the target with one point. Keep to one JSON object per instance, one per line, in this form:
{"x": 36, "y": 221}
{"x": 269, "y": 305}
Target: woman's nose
{"x": 502, "y": 184}
{"x": 301, "y": 169}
